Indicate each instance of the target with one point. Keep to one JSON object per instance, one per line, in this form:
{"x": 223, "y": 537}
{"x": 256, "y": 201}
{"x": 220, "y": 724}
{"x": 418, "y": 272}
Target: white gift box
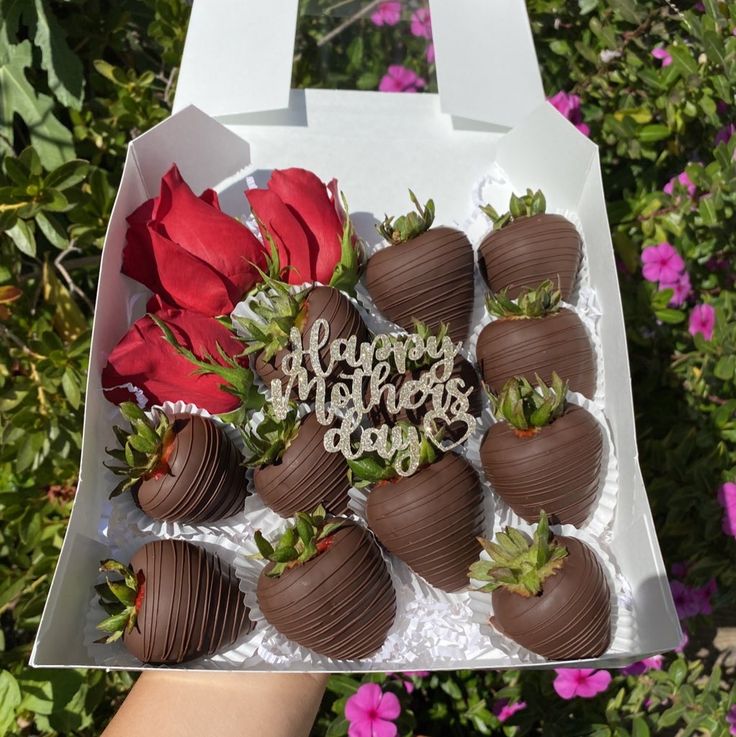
{"x": 488, "y": 120}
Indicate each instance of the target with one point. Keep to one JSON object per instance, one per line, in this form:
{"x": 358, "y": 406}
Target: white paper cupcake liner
{"x": 121, "y": 517}
{"x": 623, "y": 627}
{"x": 115, "y": 655}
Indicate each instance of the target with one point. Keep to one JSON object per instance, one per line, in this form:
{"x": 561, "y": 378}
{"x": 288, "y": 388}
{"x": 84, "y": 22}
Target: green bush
{"x": 79, "y": 78}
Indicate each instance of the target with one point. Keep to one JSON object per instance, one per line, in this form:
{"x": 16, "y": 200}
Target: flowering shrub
{"x": 651, "y": 84}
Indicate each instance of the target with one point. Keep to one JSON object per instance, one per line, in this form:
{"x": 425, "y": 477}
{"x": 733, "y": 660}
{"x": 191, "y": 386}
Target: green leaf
{"x": 49, "y": 137}
{"x": 653, "y": 133}
{"x": 66, "y": 77}
{"x": 725, "y": 368}
{"x": 682, "y": 59}
{"x": 342, "y": 685}
{"x": 714, "y": 50}
{"x": 9, "y": 701}
{"x": 67, "y": 175}
{"x": 670, "y": 316}
{"x": 639, "y": 727}
{"x": 22, "y": 236}
{"x": 71, "y": 389}
{"x": 52, "y": 229}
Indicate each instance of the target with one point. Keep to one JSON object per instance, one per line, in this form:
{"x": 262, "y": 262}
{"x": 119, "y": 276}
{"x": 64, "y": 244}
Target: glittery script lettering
{"x": 370, "y": 364}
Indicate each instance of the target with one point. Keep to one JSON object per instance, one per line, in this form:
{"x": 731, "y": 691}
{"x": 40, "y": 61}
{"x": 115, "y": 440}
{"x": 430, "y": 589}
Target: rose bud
{"x": 190, "y": 253}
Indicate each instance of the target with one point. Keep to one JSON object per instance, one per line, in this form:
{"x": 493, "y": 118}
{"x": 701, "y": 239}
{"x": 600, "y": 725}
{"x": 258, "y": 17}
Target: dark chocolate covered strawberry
{"x": 175, "y": 602}
{"x": 550, "y": 593}
{"x": 425, "y": 274}
{"x": 535, "y": 335}
{"x": 292, "y": 469}
{"x": 179, "y": 469}
{"x": 326, "y": 587}
{"x": 543, "y": 453}
{"x": 279, "y": 310}
{"x": 528, "y": 246}
{"x": 430, "y": 519}
{"x": 414, "y": 371}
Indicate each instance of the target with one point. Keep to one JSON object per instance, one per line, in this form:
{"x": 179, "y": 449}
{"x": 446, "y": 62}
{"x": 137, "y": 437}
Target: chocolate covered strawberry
{"x": 292, "y": 469}
{"x": 179, "y": 469}
{"x": 550, "y": 593}
{"x": 543, "y": 453}
{"x": 430, "y": 519}
{"x": 326, "y": 587}
{"x": 528, "y": 246}
{"x": 278, "y": 310}
{"x": 535, "y": 335}
{"x": 415, "y": 370}
{"x": 425, "y": 274}
{"x": 173, "y": 603}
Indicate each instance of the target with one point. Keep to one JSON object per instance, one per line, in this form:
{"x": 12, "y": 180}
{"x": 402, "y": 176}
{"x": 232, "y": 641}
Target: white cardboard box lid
{"x": 238, "y": 58}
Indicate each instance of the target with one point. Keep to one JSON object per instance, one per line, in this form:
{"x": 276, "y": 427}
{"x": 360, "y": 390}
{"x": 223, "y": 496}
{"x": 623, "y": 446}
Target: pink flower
{"x": 683, "y": 642}
{"x": 682, "y": 180}
{"x": 662, "y": 263}
{"x": 583, "y": 682}
{"x": 569, "y": 106}
{"x": 681, "y": 289}
{"x": 387, "y": 14}
{"x": 421, "y": 23}
{"x": 727, "y": 499}
{"x": 642, "y": 666}
{"x": 371, "y": 712}
{"x": 663, "y": 55}
{"x": 731, "y": 720}
{"x": 401, "y": 79}
{"x": 702, "y": 320}
{"x": 504, "y": 710}
{"x": 430, "y": 53}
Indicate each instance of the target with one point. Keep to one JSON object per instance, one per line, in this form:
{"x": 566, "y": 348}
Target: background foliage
{"x": 79, "y": 78}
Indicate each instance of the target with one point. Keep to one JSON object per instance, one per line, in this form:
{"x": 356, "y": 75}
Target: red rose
{"x": 304, "y": 218}
{"x": 145, "y": 361}
{"x": 190, "y": 253}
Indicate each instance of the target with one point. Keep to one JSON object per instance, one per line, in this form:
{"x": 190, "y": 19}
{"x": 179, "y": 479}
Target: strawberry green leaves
{"x": 528, "y": 205}
{"x": 517, "y": 563}
{"x": 301, "y": 542}
{"x": 404, "y": 228}
{"x": 526, "y": 408}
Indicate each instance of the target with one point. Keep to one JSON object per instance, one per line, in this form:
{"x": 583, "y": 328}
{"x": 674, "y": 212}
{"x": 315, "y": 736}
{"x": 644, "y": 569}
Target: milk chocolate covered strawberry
{"x": 179, "y": 469}
{"x": 326, "y": 587}
{"x": 535, "y": 335}
{"x": 292, "y": 469}
{"x": 173, "y": 603}
{"x": 543, "y": 453}
{"x": 278, "y": 310}
{"x": 430, "y": 519}
{"x": 550, "y": 593}
{"x": 528, "y": 246}
{"x": 425, "y": 274}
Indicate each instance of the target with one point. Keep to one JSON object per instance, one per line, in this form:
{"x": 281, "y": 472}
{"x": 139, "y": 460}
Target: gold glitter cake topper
{"x": 348, "y": 403}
